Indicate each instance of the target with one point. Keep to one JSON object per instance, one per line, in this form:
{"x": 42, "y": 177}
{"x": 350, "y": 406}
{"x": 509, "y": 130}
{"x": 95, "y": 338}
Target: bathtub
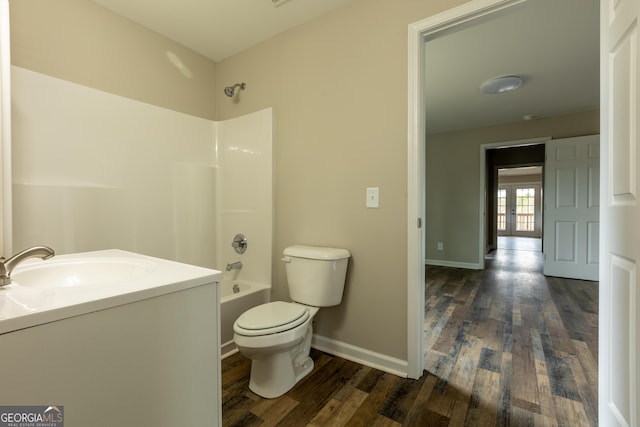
{"x": 236, "y": 297}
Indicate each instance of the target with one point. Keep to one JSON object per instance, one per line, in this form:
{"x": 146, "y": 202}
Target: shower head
{"x": 230, "y": 90}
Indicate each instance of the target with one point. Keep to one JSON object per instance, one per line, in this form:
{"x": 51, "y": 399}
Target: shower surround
{"x": 92, "y": 170}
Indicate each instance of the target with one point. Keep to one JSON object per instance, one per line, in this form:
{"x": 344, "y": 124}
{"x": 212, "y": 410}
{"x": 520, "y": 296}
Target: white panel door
{"x": 619, "y": 321}
{"x": 572, "y": 200}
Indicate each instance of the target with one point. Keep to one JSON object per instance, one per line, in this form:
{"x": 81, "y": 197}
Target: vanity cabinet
{"x": 154, "y": 361}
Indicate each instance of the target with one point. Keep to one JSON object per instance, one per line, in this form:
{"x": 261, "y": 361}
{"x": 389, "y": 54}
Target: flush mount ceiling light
{"x": 501, "y": 84}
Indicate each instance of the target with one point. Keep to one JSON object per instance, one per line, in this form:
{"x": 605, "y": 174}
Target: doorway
{"x": 447, "y": 23}
{"x": 514, "y": 173}
{"x": 519, "y": 202}
{"x": 430, "y": 28}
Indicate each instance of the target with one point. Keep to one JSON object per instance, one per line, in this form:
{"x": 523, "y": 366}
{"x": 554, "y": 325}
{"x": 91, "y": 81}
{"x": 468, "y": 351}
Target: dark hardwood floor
{"x": 505, "y": 346}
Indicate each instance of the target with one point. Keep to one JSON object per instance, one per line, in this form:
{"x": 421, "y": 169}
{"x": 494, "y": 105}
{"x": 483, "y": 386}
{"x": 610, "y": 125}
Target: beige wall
{"x": 338, "y": 86}
{"x": 453, "y": 174}
{"x": 79, "y": 41}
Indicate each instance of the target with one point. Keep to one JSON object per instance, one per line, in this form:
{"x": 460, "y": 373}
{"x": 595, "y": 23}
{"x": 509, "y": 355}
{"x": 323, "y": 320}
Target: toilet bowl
{"x": 277, "y": 336}
{"x": 279, "y": 352}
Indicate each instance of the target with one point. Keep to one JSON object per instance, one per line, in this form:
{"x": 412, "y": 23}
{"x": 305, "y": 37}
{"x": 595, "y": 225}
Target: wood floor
{"x": 505, "y": 346}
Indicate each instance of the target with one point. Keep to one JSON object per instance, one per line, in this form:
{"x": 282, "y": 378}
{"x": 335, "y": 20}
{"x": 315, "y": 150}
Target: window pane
{"x": 525, "y": 209}
{"x": 502, "y": 209}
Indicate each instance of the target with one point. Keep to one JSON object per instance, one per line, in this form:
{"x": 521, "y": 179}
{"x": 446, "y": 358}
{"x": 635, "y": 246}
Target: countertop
{"x": 24, "y": 305}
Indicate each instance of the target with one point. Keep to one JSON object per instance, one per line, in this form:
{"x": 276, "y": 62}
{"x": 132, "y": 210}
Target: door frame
{"x": 482, "y": 209}
{"x": 419, "y": 32}
{"x": 6, "y": 215}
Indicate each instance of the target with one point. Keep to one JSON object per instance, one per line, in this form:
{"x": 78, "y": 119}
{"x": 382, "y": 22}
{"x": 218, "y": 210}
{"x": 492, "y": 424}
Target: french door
{"x": 519, "y": 210}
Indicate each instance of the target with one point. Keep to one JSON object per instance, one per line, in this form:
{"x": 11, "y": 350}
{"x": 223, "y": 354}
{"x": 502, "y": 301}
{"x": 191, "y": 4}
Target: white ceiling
{"x": 218, "y": 29}
{"x": 552, "y": 44}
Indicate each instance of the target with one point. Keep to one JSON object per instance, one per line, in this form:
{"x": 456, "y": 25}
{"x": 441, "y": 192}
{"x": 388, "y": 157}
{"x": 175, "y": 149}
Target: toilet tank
{"x": 316, "y": 275}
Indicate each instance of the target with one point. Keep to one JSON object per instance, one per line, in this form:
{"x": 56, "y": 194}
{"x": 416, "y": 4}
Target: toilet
{"x": 276, "y": 336}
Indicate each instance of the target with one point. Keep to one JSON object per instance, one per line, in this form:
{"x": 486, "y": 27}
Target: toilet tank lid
{"x": 316, "y": 252}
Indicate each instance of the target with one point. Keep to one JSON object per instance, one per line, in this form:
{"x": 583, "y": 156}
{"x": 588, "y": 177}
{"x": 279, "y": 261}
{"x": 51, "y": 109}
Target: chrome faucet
{"x": 7, "y": 266}
{"x": 234, "y": 266}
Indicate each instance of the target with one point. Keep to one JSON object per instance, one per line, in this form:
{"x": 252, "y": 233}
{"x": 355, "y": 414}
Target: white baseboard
{"x": 455, "y": 264}
{"x": 360, "y": 355}
{"x": 228, "y": 349}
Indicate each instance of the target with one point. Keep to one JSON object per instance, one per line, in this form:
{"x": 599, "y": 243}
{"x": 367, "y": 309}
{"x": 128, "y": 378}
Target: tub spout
{"x": 234, "y": 266}
{"x": 7, "y": 266}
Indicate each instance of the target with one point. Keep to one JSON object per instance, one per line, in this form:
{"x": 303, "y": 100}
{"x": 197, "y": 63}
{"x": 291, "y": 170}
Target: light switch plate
{"x": 373, "y": 197}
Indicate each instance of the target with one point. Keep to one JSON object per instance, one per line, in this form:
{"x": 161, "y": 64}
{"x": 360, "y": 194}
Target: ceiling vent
{"x": 277, "y": 3}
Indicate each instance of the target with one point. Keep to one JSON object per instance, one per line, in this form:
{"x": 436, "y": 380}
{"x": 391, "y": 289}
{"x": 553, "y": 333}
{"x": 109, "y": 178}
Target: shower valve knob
{"x": 239, "y": 243}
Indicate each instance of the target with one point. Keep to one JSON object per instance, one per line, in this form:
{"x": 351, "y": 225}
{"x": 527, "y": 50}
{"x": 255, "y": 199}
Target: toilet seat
{"x": 270, "y": 318}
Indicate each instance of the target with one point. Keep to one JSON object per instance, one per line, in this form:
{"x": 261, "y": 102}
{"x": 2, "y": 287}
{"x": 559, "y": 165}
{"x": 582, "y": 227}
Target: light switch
{"x": 373, "y": 197}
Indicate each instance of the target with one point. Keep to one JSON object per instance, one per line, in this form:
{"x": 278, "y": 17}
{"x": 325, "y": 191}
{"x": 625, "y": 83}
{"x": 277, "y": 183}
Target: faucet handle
{"x": 239, "y": 243}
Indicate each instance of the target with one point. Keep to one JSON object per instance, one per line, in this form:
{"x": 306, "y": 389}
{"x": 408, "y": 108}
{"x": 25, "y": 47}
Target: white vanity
{"x": 114, "y": 337}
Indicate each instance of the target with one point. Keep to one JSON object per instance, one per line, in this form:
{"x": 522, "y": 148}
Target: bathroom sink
{"x": 68, "y": 273}
{"x": 69, "y": 285}
{"x": 22, "y": 300}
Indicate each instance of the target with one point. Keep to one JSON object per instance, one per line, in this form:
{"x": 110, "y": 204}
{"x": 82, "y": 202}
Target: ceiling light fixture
{"x": 501, "y": 84}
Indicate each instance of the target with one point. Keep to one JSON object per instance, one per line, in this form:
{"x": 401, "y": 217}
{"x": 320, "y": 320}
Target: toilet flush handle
{"x": 286, "y": 259}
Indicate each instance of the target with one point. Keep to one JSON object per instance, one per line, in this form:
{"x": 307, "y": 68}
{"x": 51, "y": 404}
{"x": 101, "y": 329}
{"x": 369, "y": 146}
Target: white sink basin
{"x": 23, "y": 301}
{"x": 67, "y": 273}
{"x": 68, "y": 285}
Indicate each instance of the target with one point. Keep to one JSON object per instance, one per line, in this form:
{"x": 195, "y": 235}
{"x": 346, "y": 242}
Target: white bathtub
{"x": 233, "y": 304}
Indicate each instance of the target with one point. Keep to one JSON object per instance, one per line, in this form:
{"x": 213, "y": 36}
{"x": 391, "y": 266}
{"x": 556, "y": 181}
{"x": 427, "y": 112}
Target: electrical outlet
{"x": 440, "y": 246}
